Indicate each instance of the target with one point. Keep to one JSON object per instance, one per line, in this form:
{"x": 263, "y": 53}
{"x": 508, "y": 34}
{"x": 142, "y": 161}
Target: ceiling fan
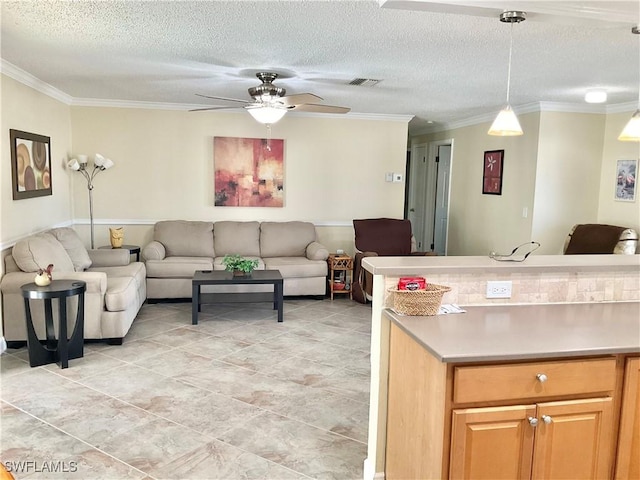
{"x": 270, "y": 103}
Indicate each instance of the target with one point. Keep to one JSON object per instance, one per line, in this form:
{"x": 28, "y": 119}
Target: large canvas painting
{"x": 30, "y": 164}
{"x": 249, "y": 172}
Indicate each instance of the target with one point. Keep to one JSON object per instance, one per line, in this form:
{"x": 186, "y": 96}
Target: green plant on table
{"x": 235, "y": 263}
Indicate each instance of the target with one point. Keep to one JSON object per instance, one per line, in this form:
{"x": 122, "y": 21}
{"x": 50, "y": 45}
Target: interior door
{"x": 441, "y": 215}
{"x": 416, "y": 202}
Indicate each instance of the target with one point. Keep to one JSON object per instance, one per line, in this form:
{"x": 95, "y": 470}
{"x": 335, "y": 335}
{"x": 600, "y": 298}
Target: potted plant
{"x": 239, "y": 265}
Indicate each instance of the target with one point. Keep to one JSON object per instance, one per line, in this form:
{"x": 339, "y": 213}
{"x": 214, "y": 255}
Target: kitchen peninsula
{"x": 464, "y": 395}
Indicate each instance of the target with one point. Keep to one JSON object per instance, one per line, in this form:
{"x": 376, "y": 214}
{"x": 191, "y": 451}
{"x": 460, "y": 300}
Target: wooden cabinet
{"x": 528, "y": 420}
{"x": 628, "y": 459}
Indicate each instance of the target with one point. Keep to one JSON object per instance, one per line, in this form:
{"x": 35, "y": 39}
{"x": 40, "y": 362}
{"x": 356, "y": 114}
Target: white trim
{"x": 531, "y": 108}
{"x": 133, "y": 221}
{"x": 12, "y": 241}
{"x": 10, "y": 70}
{"x": 369, "y": 473}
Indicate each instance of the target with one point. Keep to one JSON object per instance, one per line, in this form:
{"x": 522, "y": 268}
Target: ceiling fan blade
{"x": 213, "y": 108}
{"x": 223, "y": 98}
{"x": 299, "y": 99}
{"x": 310, "y": 107}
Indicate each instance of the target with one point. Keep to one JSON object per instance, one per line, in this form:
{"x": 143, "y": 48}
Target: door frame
{"x": 430, "y": 206}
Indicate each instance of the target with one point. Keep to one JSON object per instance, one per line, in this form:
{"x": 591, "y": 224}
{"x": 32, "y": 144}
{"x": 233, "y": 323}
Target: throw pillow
{"x": 74, "y": 247}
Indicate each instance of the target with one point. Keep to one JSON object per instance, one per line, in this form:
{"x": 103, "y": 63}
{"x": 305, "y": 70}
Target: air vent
{"x": 364, "y": 82}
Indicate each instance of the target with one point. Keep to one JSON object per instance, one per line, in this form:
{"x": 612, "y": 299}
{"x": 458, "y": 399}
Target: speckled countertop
{"x": 519, "y": 332}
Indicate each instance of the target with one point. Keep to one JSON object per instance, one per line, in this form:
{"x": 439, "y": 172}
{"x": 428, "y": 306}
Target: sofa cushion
{"x": 121, "y": 293}
{"x": 76, "y": 250}
{"x": 237, "y": 238}
{"x": 135, "y": 270}
{"x": 185, "y": 238}
{"x": 297, "y": 267}
{"x": 38, "y": 251}
{"x": 286, "y": 239}
{"x": 177, "y": 267}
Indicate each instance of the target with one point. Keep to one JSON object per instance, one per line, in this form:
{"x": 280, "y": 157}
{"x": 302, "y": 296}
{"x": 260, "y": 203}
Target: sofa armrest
{"x": 96, "y": 281}
{"x": 154, "y": 251}
{"x": 316, "y": 251}
{"x": 109, "y": 257}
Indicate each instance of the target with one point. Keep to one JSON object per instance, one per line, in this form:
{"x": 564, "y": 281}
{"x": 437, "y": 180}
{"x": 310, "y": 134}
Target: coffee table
{"x": 222, "y": 277}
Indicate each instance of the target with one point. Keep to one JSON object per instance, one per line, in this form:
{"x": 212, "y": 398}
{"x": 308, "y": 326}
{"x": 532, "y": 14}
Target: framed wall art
{"x": 30, "y": 164}
{"x": 248, "y": 172}
{"x": 626, "y": 174}
{"x": 492, "y": 172}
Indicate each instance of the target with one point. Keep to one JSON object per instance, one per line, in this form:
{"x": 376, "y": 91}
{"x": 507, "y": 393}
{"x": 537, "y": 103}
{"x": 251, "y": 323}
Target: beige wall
{"x": 562, "y": 170}
{"x": 26, "y": 109}
{"x": 609, "y": 210}
{"x": 567, "y": 176}
{"x": 334, "y": 169}
{"x": 481, "y": 223}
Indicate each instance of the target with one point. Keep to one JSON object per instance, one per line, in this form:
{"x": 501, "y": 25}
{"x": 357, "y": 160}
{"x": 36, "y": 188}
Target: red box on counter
{"x": 412, "y": 283}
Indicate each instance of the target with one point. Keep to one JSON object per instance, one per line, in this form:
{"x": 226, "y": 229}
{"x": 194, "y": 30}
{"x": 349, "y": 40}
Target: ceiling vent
{"x": 364, "y": 82}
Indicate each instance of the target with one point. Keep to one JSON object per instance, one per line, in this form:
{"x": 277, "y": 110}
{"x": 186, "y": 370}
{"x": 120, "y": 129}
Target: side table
{"x": 133, "y": 249}
{"x": 63, "y": 349}
{"x": 340, "y": 263}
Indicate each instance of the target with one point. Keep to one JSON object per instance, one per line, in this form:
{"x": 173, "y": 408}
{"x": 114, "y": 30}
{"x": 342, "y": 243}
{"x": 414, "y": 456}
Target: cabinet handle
{"x": 541, "y": 377}
{"x": 533, "y": 421}
{"x": 547, "y": 419}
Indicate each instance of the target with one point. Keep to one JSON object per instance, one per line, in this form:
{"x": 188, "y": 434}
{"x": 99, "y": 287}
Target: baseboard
{"x": 369, "y": 471}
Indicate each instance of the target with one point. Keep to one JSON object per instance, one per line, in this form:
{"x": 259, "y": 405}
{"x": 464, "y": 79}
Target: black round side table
{"x": 61, "y": 350}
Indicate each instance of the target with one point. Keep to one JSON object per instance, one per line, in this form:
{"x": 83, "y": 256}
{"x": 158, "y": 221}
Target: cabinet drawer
{"x": 533, "y": 380}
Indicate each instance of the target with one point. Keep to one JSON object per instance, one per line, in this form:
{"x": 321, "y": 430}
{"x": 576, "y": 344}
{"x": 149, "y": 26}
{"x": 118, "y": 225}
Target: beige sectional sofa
{"x": 116, "y": 287}
{"x": 181, "y": 247}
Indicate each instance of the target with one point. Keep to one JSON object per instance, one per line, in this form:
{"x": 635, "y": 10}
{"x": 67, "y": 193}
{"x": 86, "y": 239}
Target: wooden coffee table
{"x": 222, "y": 277}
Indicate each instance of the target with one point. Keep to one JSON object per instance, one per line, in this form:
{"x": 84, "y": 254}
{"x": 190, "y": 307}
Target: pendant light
{"x": 631, "y": 131}
{"x": 506, "y": 123}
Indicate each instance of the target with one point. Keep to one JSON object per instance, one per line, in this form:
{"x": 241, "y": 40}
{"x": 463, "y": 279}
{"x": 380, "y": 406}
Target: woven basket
{"x": 419, "y": 302}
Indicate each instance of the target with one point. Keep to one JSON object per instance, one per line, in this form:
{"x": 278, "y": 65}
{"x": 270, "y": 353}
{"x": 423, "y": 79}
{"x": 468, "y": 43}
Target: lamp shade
{"x": 98, "y": 160}
{"x": 73, "y": 164}
{"x": 267, "y": 114}
{"x": 631, "y": 131}
{"x": 107, "y": 164}
{"x": 506, "y": 124}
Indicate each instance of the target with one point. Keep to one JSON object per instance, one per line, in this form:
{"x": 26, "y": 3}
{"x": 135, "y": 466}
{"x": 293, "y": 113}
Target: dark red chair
{"x": 379, "y": 237}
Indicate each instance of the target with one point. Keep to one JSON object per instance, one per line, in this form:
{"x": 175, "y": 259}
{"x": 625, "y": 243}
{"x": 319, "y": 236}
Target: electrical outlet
{"x": 499, "y": 289}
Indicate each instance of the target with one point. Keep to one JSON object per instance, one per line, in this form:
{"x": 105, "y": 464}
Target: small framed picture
{"x": 492, "y": 172}
{"x": 626, "y": 180}
{"x": 30, "y": 164}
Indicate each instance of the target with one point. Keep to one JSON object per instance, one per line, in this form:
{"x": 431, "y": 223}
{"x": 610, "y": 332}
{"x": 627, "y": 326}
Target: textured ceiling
{"x": 440, "y": 67}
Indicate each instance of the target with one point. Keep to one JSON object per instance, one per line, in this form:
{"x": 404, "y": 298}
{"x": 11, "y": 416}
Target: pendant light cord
{"x": 509, "y": 70}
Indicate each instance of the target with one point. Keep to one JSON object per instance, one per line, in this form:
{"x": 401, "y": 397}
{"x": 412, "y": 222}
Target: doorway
{"x": 427, "y": 203}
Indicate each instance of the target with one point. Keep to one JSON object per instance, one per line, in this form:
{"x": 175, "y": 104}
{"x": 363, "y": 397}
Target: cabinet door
{"x": 628, "y": 463}
{"x": 573, "y": 440}
{"x": 492, "y": 443}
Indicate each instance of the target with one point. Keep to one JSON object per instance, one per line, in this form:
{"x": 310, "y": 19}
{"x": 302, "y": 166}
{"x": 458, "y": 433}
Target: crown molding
{"x": 532, "y": 108}
{"x": 10, "y": 70}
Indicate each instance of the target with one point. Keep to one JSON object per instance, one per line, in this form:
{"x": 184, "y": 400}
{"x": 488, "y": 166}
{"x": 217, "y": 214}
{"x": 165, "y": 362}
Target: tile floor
{"x": 238, "y": 396}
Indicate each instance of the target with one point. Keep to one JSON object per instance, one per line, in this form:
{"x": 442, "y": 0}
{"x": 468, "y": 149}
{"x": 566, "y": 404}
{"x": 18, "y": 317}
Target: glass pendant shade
{"x": 631, "y": 131}
{"x": 267, "y": 114}
{"x": 506, "y": 124}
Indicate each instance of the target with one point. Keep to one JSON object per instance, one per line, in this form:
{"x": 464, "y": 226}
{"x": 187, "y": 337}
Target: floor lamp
{"x": 80, "y": 164}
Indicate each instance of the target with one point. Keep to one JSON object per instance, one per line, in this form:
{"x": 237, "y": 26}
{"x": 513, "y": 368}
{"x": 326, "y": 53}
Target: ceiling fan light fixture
{"x": 506, "y": 124}
{"x": 631, "y": 131}
{"x": 595, "y": 95}
{"x": 266, "y": 114}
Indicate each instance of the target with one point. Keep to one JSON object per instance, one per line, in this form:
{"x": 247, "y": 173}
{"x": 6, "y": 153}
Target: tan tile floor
{"x": 238, "y": 396}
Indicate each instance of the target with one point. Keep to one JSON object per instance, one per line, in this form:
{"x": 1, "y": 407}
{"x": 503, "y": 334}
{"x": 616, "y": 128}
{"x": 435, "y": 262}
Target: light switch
{"x": 388, "y": 177}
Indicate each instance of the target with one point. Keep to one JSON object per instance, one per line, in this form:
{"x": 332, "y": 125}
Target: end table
{"x": 62, "y": 350}
{"x": 341, "y": 263}
{"x": 133, "y": 249}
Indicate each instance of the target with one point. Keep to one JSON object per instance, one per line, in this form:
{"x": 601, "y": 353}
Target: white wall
{"x": 334, "y": 169}
{"x": 567, "y": 176}
{"x": 609, "y": 210}
{"x": 26, "y": 109}
{"x": 481, "y": 223}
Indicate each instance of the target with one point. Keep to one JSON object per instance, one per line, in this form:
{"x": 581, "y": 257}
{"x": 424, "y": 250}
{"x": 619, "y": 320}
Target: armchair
{"x": 600, "y": 239}
{"x": 379, "y": 237}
